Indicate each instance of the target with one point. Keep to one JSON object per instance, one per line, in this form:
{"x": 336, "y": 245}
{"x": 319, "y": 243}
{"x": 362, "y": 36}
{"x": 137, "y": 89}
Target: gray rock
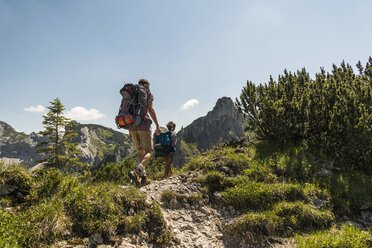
{"x": 143, "y": 235}
{"x": 131, "y": 212}
{"x": 323, "y": 173}
{"x": 6, "y": 189}
{"x": 97, "y": 238}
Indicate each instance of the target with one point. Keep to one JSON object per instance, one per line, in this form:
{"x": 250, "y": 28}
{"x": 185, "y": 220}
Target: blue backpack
{"x": 163, "y": 144}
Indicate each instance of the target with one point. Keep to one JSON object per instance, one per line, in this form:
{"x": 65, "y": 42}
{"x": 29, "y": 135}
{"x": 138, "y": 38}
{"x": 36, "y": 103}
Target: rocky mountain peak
{"x": 223, "y": 104}
{"x": 224, "y": 123}
{"x": 4, "y": 127}
{"x": 220, "y": 125}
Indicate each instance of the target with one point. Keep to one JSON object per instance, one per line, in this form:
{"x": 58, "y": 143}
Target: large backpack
{"x": 130, "y": 112}
{"x": 163, "y": 144}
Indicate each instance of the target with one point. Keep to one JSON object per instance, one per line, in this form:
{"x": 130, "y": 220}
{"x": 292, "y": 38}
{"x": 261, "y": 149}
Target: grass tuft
{"x": 344, "y": 237}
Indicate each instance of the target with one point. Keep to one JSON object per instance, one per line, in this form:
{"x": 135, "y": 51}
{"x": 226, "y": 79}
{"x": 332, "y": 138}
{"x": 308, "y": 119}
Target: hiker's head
{"x": 171, "y": 126}
{"x": 144, "y": 82}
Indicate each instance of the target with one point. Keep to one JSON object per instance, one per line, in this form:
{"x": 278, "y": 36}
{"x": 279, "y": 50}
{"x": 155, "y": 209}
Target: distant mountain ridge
{"x": 99, "y": 145}
{"x": 17, "y": 146}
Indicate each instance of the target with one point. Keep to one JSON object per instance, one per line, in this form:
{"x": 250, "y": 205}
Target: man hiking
{"x": 142, "y": 138}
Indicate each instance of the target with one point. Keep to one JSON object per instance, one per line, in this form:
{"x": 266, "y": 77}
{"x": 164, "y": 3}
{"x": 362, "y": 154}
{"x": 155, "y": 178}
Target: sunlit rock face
{"x": 220, "y": 125}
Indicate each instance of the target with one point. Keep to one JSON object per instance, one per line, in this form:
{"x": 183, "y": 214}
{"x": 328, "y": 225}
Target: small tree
{"x": 57, "y": 149}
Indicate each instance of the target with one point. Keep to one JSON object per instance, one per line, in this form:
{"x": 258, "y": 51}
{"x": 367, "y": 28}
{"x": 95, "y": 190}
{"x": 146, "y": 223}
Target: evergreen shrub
{"x": 332, "y": 111}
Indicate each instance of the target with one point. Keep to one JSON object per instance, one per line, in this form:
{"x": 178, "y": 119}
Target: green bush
{"x": 63, "y": 205}
{"x": 333, "y": 111}
{"x": 40, "y": 224}
{"x": 344, "y": 237}
{"x": 101, "y": 207}
{"x": 47, "y": 182}
{"x": 16, "y": 179}
{"x": 155, "y": 168}
{"x": 114, "y": 172}
{"x": 202, "y": 162}
{"x": 155, "y": 223}
{"x": 351, "y": 192}
{"x": 215, "y": 181}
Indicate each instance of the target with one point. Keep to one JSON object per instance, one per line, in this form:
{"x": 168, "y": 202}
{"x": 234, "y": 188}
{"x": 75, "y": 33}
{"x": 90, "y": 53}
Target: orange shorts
{"x": 142, "y": 140}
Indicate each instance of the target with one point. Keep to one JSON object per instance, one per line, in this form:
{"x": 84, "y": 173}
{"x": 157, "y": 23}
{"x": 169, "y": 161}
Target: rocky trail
{"x": 192, "y": 225}
{"x": 194, "y": 222}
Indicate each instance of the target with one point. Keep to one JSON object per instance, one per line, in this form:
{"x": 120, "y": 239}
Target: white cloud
{"x": 189, "y": 104}
{"x": 37, "y": 109}
{"x": 82, "y": 114}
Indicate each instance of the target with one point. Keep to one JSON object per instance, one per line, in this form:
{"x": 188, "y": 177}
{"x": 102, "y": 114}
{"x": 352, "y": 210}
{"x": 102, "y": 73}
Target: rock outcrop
{"x": 223, "y": 124}
{"x": 18, "y": 147}
{"x": 99, "y": 144}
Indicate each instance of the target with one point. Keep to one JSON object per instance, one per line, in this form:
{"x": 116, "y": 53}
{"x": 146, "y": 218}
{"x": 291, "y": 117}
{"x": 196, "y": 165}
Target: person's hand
{"x": 158, "y": 130}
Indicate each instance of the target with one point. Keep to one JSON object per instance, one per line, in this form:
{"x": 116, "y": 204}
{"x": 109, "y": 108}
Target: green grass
{"x": 189, "y": 148}
{"x": 114, "y": 172}
{"x": 59, "y": 206}
{"x": 261, "y": 196}
{"x": 276, "y": 189}
{"x": 344, "y": 237}
{"x": 15, "y": 178}
{"x": 41, "y": 223}
{"x": 168, "y": 195}
{"x": 350, "y": 191}
{"x": 283, "y": 219}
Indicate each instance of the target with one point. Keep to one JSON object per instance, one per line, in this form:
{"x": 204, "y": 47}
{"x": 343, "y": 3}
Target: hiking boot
{"x": 134, "y": 177}
{"x": 145, "y": 180}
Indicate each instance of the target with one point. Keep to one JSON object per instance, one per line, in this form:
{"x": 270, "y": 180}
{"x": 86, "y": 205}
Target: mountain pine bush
{"x": 332, "y": 111}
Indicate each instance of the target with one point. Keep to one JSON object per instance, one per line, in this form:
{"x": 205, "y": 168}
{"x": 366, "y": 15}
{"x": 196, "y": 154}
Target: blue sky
{"x": 191, "y": 51}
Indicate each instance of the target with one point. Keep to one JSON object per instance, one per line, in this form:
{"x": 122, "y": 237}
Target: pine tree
{"x": 332, "y": 112}
{"x": 58, "y": 150}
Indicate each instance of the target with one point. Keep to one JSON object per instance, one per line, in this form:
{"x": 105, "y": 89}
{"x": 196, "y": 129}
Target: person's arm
{"x": 153, "y": 115}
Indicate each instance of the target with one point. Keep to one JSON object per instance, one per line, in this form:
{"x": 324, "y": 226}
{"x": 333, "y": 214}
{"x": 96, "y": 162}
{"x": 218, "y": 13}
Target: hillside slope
{"x": 226, "y": 197}
{"x": 97, "y": 144}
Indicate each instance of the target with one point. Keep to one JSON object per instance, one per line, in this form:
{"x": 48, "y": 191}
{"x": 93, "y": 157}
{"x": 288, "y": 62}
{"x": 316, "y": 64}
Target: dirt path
{"x": 196, "y": 225}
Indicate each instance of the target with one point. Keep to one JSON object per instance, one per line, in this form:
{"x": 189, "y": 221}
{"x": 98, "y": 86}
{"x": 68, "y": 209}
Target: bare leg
{"x": 145, "y": 159}
{"x": 166, "y": 169}
{"x": 168, "y": 166}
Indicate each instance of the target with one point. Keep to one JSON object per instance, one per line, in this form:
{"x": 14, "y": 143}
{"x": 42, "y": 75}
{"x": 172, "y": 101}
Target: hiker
{"x": 142, "y": 140}
{"x": 165, "y": 146}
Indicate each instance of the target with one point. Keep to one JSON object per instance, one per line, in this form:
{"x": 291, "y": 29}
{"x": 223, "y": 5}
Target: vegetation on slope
{"x": 279, "y": 192}
{"x": 308, "y": 169}
{"x": 51, "y": 205}
{"x": 332, "y": 111}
